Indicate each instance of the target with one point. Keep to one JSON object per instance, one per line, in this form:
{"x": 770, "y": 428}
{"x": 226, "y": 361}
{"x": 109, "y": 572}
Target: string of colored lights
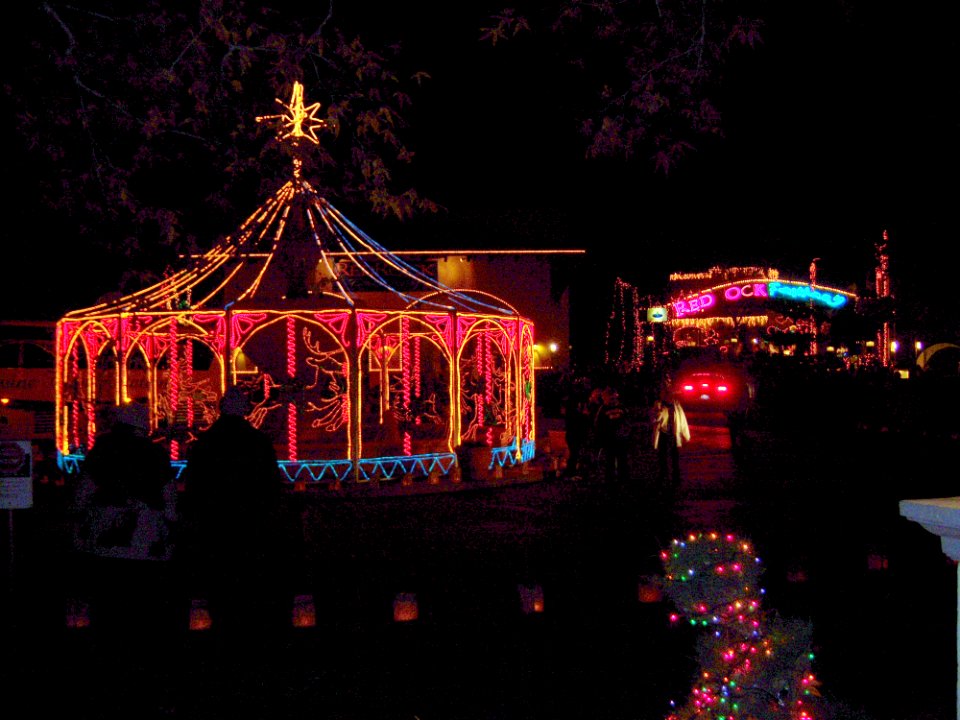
{"x": 753, "y": 666}
{"x": 883, "y": 290}
{"x": 346, "y": 229}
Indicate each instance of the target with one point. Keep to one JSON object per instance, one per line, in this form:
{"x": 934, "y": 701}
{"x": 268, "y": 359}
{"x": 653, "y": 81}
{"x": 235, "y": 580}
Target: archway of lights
{"x": 358, "y": 364}
{"x": 767, "y": 302}
{"x": 718, "y": 307}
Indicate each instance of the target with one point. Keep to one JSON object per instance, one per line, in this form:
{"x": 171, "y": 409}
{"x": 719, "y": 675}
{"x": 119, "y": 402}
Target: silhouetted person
{"x": 670, "y": 431}
{"x": 576, "y": 416}
{"x": 233, "y": 549}
{"x": 125, "y": 510}
{"x": 613, "y": 435}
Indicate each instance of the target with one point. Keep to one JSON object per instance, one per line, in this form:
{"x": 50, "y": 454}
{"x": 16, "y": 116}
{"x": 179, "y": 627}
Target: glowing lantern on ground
{"x": 78, "y": 614}
{"x": 405, "y": 607}
{"x": 797, "y": 575}
{"x": 304, "y": 612}
{"x": 200, "y": 615}
{"x": 531, "y": 599}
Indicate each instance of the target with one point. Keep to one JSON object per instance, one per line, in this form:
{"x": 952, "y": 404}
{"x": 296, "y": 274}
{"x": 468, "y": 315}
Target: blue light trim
{"x": 387, "y": 467}
{"x": 317, "y": 471}
{"x": 507, "y": 455}
{"x": 69, "y": 464}
{"x": 460, "y": 299}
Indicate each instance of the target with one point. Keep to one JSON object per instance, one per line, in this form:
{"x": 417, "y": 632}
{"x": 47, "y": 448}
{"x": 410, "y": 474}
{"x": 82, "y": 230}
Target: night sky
{"x": 837, "y": 128}
{"x": 840, "y": 126}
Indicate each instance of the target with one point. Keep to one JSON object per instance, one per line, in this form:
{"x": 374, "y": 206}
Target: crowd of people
{"x": 782, "y": 393}
{"x": 601, "y": 425}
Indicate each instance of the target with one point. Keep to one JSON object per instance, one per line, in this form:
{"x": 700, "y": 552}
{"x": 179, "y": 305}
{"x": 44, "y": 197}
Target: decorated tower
{"x": 885, "y": 335}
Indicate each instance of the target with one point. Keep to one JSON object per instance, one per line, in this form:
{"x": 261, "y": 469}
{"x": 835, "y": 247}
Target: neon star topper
{"x": 299, "y": 121}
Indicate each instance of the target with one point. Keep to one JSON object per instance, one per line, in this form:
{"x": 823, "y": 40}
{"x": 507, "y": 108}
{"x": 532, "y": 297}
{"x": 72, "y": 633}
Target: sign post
{"x": 16, "y": 484}
{"x": 16, "y": 474}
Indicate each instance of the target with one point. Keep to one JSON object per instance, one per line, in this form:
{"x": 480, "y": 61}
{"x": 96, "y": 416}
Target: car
{"x": 708, "y": 390}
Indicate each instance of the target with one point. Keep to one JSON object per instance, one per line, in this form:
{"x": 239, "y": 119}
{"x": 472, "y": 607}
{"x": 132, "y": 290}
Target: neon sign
{"x": 805, "y": 293}
{"x": 694, "y": 304}
{"x": 766, "y": 290}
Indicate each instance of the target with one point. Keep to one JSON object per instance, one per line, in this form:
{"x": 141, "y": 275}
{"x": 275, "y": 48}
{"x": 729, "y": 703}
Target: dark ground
{"x": 821, "y": 512}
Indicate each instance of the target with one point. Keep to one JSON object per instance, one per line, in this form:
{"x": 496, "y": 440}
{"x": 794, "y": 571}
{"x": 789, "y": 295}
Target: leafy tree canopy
{"x": 138, "y": 118}
{"x": 649, "y": 70}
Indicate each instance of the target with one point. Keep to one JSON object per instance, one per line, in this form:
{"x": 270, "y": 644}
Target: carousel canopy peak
{"x": 296, "y": 249}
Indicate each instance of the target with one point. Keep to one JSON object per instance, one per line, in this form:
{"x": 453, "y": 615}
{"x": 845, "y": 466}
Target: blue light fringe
{"x": 457, "y": 298}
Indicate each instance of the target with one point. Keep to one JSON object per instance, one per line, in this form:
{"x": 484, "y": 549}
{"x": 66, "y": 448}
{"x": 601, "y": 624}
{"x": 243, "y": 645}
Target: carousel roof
{"x": 297, "y": 250}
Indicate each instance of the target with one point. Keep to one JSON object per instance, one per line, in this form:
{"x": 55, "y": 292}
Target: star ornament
{"x": 298, "y": 120}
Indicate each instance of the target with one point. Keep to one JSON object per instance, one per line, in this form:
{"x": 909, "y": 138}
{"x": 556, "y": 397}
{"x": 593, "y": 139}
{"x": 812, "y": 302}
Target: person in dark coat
{"x": 234, "y": 542}
{"x": 576, "y": 426}
{"x": 613, "y": 435}
{"x": 125, "y": 514}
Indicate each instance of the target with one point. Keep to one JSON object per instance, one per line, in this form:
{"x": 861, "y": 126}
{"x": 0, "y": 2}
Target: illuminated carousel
{"x": 360, "y": 366}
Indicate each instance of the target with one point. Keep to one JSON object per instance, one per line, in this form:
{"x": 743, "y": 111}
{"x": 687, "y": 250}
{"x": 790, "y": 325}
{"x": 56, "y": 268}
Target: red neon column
{"x": 75, "y": 405}
{"x": 416, "y": 366}
{"x": 480, "y": 396}
{"x": 173, "y": 386}
{"x": 291, "y": 374}
{"x": 405, "y": 374}
{"x": 188, "y": 360}
{"x": 488, "y": 382}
